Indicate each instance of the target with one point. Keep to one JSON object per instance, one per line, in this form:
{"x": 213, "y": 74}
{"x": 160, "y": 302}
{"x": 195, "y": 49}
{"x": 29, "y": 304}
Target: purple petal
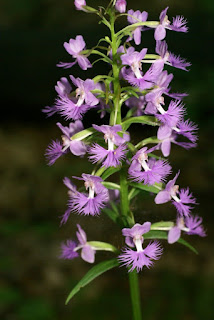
{"x": 160, "y": 33}
{"x": 83, "y": 62}
{"x": 174, "y": 234}
{"x": 88, "y": 254}
{"x": 162, "y": 197}
{"x": 68, "y": 250}
{"x": 81, "y": 235}
{"x": 78, "y": 148}
{"x": 166, "y": 147}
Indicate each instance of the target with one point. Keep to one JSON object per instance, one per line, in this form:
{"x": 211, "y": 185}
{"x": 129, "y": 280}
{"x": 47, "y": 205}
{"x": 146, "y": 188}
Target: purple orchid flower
{"x": 180, "y": 199}
{"x": 87, "y": 251}
{"x": 134, "y": 75}
{"x": 141, "y": 257}
{"x": 63, "y": 88}
{"x": 154, "y": 171}
{"x": 111, "y": 157}
{"x": 75, "y": 107}
{"x": 135, "y": 17}
{"x": 120, "y": 6}
{"x": 170, "y": 58}
{"x": 168, "y": 135}
{"x": 94, "y": 201}
{"x": 173, "y": 115}
{"x": 70, "y": 248}
{"x": 155, "y": 97}
{"x": 178, "y": 24}
{"x": 74, "y": 47}
{"x": 190, "y": 225}
{"x": 56, "y": 150}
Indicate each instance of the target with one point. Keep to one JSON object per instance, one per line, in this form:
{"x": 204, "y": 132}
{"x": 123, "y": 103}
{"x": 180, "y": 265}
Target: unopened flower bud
{"x": 79, "y": 3}
{"x": 120, "y": 6}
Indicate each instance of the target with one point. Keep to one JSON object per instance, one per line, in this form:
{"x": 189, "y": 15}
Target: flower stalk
{"x": 124, "y": 168}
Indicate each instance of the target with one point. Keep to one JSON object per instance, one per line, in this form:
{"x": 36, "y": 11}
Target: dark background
{"x": 34, "y": 281}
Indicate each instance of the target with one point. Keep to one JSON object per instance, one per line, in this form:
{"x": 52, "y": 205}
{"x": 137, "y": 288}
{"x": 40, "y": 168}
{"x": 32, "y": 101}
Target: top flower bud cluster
{"x": 139, "y": 84}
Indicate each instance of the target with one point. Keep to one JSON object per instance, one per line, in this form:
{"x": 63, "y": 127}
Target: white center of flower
{"x": 136, "y": 67}
{"x": 80, "y": 94}
{"x": 166, "y": 22}
{"x": 109, "y": 138}
{"x": 142, "y": 159}
{"x": 158, "y": 103}
{"x": 173, "y": 193}
{"x": 138, "y": 244}
{"x": 90, "y": 186}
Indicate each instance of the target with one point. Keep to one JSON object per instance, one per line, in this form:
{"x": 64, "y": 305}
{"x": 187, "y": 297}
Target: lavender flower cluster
{"x": 137, "y": 83}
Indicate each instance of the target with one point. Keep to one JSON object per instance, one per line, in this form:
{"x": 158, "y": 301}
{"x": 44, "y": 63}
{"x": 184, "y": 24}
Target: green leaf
{"x": 164, "y": 235}
{"x": 83, "y": 134}
{"x": 150, "y": 120}
{"x": 92, "y": 274}
{"x": 98, "y": 245}
{"x": 144, "y": 187}
{"x": 111, "y": 185}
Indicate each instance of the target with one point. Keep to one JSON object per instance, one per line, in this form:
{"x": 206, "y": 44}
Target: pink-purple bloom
{"x": 134, "y": 75}
{"x": 181, "y": 199}
{"x": 75, "y": 47}
{"x": 56, "y": 149}
{"x": 178, "y": 24}
{"x": 70, "y": 248}
{"x": 115, "y": 153}
{"x": 190, "y": 225}
{"x": 141, "y": 257}
{"x": 148, "y": 170}
{"x": 75, "y": 107}
{"x": 173, "y": 115}
{"x": 92, "y": 202}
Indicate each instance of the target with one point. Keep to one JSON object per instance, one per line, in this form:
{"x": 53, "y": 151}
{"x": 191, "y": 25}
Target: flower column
{"x": 115, "y": 118}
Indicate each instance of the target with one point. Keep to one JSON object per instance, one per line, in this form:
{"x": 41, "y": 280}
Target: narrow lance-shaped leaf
{"x": 92, "y": 274}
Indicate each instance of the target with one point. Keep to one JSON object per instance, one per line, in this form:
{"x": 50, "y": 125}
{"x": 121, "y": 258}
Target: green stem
{"x": 124, "y": 193}
{"x": 116, "y": 113}
{"x": 135, "y": 295}
{"x": 115, "y": 118}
